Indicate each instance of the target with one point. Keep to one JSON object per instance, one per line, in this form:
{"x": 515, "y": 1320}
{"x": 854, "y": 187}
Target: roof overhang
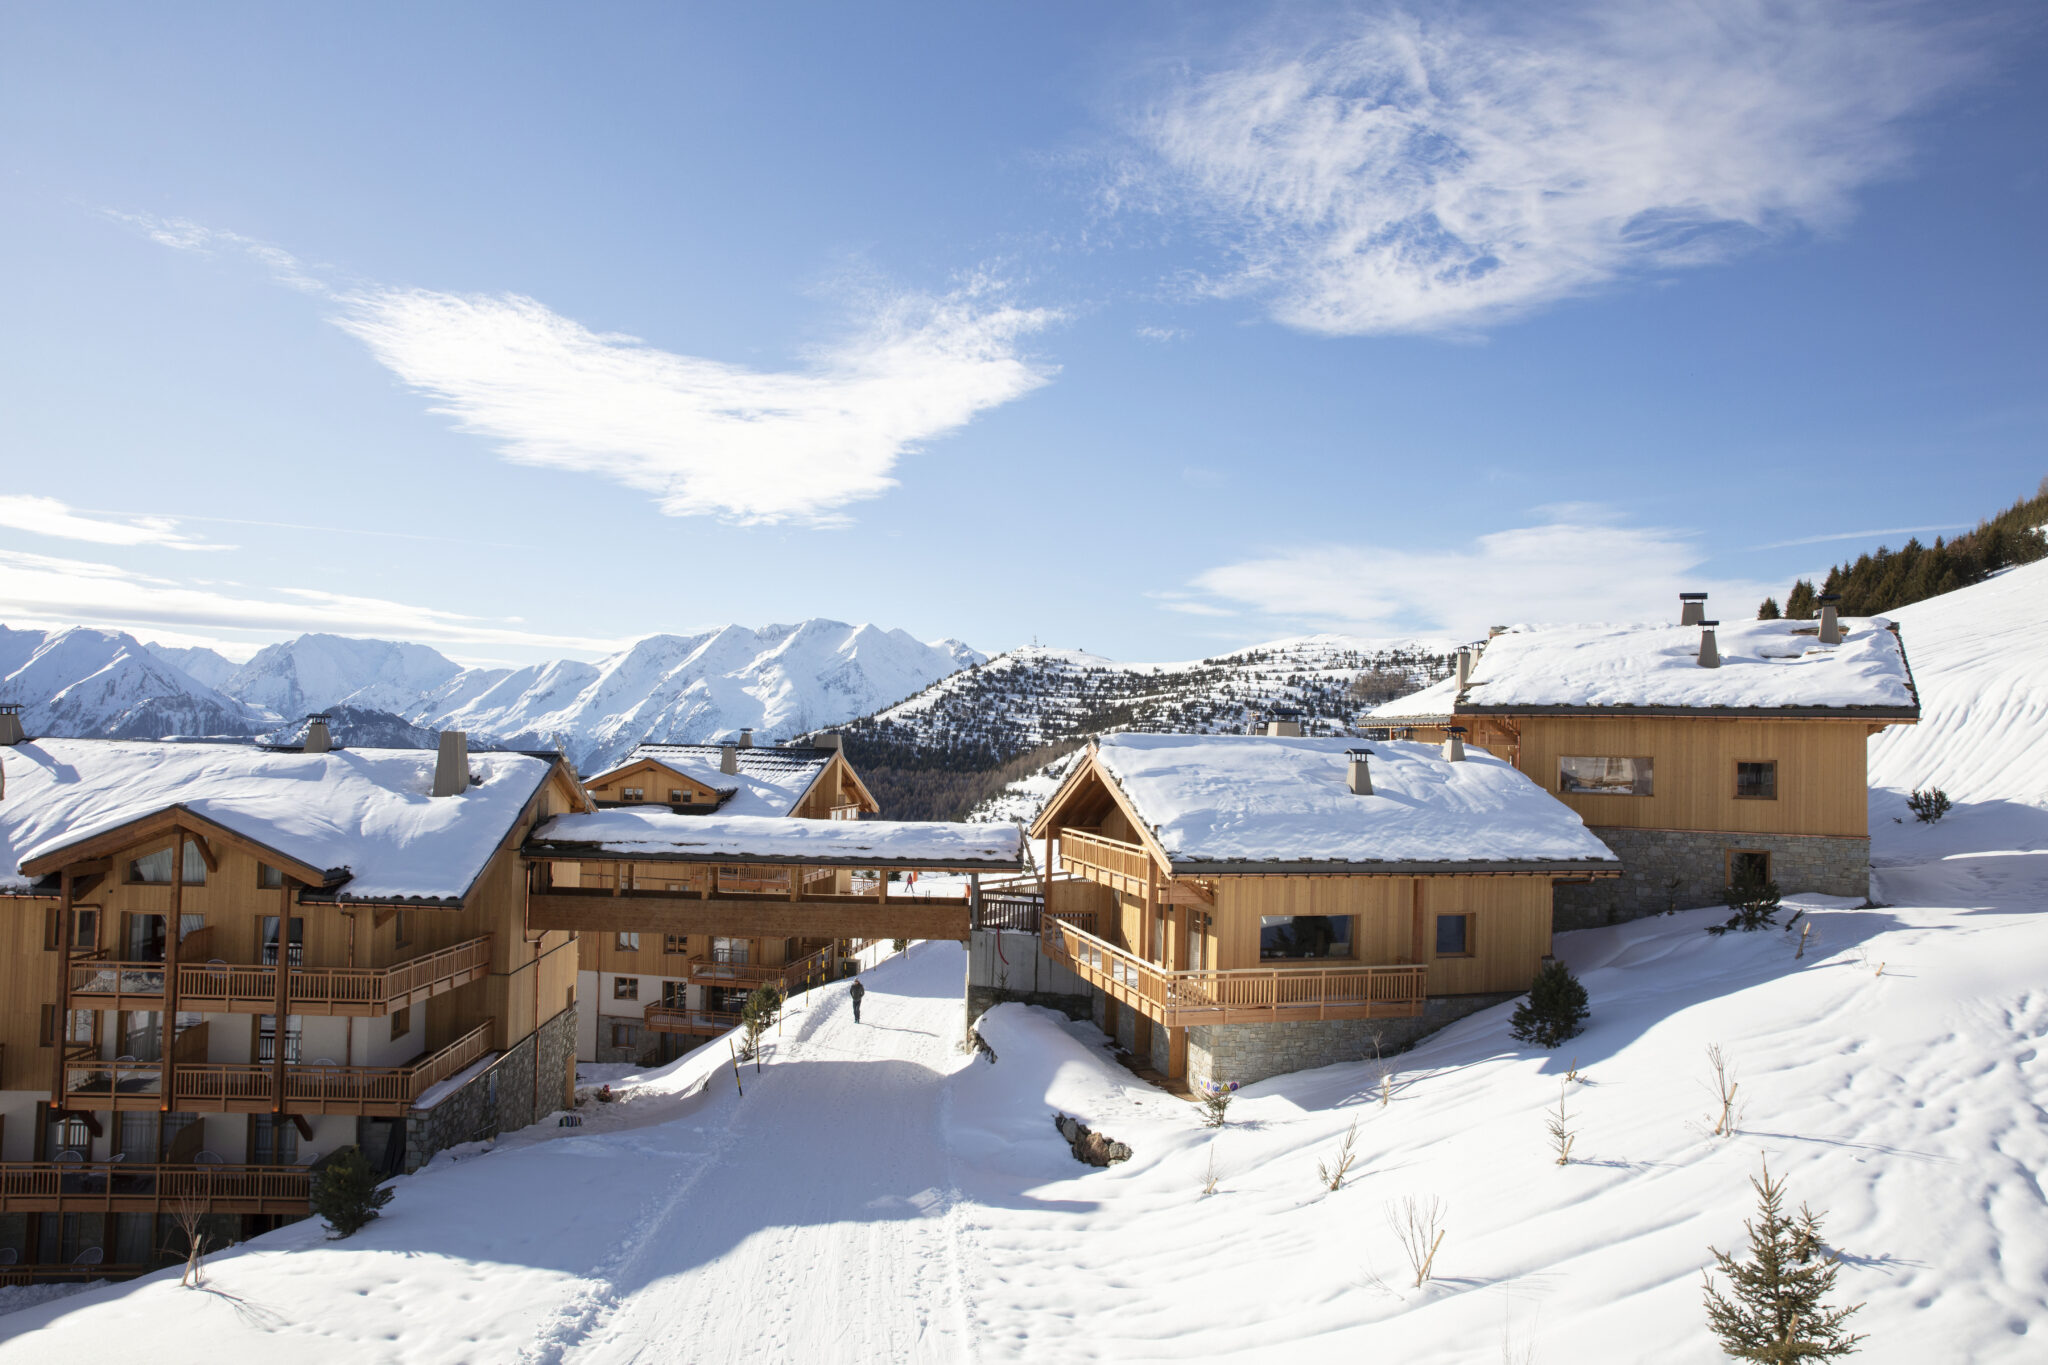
{"x": 1330, "y": 867}
{"x": 1905, "y": 714}
{"x": 162, "y": 824}
{"x": 553, "y": 851}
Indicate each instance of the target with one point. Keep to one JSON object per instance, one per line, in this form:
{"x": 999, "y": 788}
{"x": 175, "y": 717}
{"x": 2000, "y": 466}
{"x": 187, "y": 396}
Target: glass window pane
{"x": 1452, "y": 935}
{"x": 1293, "y": 936}
{"x": 1605, "y": 776}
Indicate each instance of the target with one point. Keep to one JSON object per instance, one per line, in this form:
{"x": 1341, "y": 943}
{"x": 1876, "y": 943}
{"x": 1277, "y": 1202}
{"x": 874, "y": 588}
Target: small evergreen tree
{"x": 764, "y": 1005}
{"x": 1755, "y": 903}
{"x": 1776, "y": 1313}
{"x": 1216, "y": 1097}
{"x": 1555, "y": 1010}
{"x": 1769, "y": 610}
{"x": 346, "y": 1193}
{"x": 1799, "y": 603}
{"x": 1929, "y": 804}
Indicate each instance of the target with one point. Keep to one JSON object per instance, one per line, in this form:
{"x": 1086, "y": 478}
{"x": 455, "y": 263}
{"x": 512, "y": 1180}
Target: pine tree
{"x": 1799, "y": 603}
{"x": 1769, "y": 610}
{"x": 764, "y": 1004}
{"x": 1776, "y": 1313}
{"x": 346, "y": 1193}
{"x": 1555, "y": 1010}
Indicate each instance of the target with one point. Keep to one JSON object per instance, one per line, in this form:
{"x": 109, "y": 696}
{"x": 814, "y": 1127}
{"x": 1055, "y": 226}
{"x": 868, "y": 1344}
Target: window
{"x": 627, "y": 943}
{"x": 1454, "y": 936}
{"x": 625, "y": 1034}
{"x": 625, "y": 988}
{"x": 675, "y": 995}
{"x": 154, "y": 869}
{"x": 268, "y": 877}
{"x": 266, "y": 1038}
{"x": 675, "y": 943}
{"x": 633, "y": 794}
{"x": 295, "y": 947}
{"x": 1605, "y": 776}
{"x": 401, "y": 1022}
{"x": 1748, "y": 867}
{"x": 273, "y": 1140}
{"x": 675, "y": 796}
{"x": 732, "y": 951}
{"x": 402, "y": 935}
{"x": 1756, "y": 781}
{"x": 1304, "y": 936}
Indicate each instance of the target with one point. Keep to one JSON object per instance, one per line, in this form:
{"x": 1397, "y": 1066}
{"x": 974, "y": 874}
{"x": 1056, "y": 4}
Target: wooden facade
{"x": 139, "y": 1017}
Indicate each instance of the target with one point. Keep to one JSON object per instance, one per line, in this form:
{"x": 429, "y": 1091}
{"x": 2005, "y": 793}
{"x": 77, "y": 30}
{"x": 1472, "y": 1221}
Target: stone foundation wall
{"x": 502, "y": 1096}
{"x": 1665, "y": 870}
{"x": 1253, "y": 1052}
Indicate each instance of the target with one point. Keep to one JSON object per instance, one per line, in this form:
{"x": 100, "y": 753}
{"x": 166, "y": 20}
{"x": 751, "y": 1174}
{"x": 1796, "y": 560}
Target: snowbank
{"x": 1232, "y": 798}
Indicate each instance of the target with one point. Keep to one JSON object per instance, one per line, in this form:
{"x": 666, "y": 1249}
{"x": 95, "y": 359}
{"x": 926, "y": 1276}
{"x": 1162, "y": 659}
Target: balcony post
{"x": 174, "y": 925}
{"x": 284, "y": 968}
{"x": 61, "y": 1027}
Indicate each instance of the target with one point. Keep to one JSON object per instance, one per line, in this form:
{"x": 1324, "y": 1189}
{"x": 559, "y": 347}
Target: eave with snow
{"x": 809, "y": 782}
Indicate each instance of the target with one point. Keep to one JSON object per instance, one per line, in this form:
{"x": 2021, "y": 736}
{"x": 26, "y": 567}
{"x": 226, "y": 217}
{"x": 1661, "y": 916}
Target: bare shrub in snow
{"x": 1386, "y": 1086}
{"x": 1723, "y": 1085}
{"x": 1216, "y": 1097}
{"x": 190, "y": 1220}
{"x": 1332, "y": 1173}
{"x": 1562, "y": 1134}
{"x": 1418, "y": 1225}
{"x": 1210, "y": 1176}
{"x": 1776, "y": 1310}
{"x": 1929, "y": 805}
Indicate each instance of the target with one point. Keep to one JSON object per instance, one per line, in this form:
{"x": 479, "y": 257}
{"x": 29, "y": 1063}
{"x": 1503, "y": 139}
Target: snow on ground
{"x": 878, "y": 1194}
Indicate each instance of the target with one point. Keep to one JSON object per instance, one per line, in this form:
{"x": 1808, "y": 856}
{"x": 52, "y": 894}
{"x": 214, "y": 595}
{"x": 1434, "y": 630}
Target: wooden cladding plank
{"x": 650, "y": 914}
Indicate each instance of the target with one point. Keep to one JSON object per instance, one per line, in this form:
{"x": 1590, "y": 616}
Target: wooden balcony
{"x": 790, "y": 977}
{"x": 1249, "y": 995}
{"x": 219, "y": 987}
{"x": 674, "y": 1019}
{"x": 138, "y": 1187}
{"x": 812, "y": 914}
{"x": 319, "y": 1087}
{"x": 1112, "y": 862}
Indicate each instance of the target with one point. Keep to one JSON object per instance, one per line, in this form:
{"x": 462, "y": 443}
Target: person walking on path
{"x": 856, "y": 993}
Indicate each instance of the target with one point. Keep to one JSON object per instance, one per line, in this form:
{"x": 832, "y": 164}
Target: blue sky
{"x": 1145, "y": 329}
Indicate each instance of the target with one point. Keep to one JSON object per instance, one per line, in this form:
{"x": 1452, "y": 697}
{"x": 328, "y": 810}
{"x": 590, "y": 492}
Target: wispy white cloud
{"x": 1452, "y": 167}
{"x": 704, "y": 436}
{"x": 46, "y": 588}
{"x": 49, "y": 517}
{"x": 1588, "y": 568}
{"x": 181, "y": 234}
{"x": 1867, "y": 535}
{"x": 1150, "y": 333}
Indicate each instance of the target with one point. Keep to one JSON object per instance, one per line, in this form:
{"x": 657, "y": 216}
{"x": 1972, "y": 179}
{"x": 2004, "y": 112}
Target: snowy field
{"x": 877, "y": 1193}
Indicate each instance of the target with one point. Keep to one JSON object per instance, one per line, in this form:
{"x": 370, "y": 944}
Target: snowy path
{"x": 847, "y": 1242}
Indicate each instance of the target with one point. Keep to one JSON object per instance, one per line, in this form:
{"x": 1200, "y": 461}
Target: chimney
{"x": 10, "y": 724}
{"x": 1710, "y": 656}
{"x": 728, "y": 757}
{"x": 1493, "y": 631}
{"x": 318, "y": 741}
{"x": 747, "y": 737}
{"x": 1692, "y": 609}
{"x": 1464, "y": 668}
{"x": 831, "y": 739}
{"x": 1361, "y": 774}
{"x": 1454, "y": 744}
{"x": 1283, "y": 729}
{"x": 451, "y": 767}
{"x": 1830, "y": 624}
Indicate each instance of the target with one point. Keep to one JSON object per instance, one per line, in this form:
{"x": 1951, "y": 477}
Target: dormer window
{"x": 154, "y": 869}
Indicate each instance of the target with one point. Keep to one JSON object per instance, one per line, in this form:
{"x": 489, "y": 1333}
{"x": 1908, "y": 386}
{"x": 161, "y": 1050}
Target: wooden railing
{"x": 141, "y": 1187}
{"x": 1347, "y": 990}
{"x": 97, "y": 983}
{"x": 1009, "y": 910}
{"x": 675, "y": 1019}
{"x": 309, "y": 1088}
{"x": 789, "y": 976}
{"x": 45, "y": 1274}
{"x": 1111, "y": 861}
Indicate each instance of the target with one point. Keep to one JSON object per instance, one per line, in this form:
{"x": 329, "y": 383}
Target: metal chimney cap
{"x": 1829, "y": 597}
{"x": 1355, "y": 754}
{"x": 321, "y": 716}
{"x": 1710, "y": 624}
{"x": 1692, "y": 597}
{"x": 10, "y": 708}
{"x": 1456, "y": 730}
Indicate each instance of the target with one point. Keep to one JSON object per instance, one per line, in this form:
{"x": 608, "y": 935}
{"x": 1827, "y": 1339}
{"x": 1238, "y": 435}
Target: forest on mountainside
{"x": 1888, "y": 579}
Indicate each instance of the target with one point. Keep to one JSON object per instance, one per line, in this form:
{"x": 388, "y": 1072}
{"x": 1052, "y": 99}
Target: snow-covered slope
{"x": 87, "y": 682}
{"x": 781, "y": 681}
{"x": 198, "y": 662}
{"x": 317, "y": 672}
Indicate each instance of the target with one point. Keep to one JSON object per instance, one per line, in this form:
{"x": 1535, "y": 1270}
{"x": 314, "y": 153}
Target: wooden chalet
{"x": 1703, "y": 753}
{"x": 224, "y": 962}
{"x": 658, "y": 994}
{"x": 1244, "y": 905}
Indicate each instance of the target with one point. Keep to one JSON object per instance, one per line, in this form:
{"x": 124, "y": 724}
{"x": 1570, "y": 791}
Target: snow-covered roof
{"x": 362, "y": 814}
{"x": 1219, "y": 800}
{"x": 659, "y": 834}
{"x": 1765, "y": 665}
{"x": 769, "y": 781}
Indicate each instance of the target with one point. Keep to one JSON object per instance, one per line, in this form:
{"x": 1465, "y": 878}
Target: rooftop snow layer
{"x": 769, "y": 781}
{"x": 1763, "y": 664}
{"x": 642, "y": 832}
{"x": 1233, "y": 798}
{"x": 363, "y": 810}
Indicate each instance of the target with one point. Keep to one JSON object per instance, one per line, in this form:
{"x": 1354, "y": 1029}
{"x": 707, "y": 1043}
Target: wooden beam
{"x": 206, "y": 854}
{"x": 650, "y": 913}
{"x": 1182, "y": 891}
